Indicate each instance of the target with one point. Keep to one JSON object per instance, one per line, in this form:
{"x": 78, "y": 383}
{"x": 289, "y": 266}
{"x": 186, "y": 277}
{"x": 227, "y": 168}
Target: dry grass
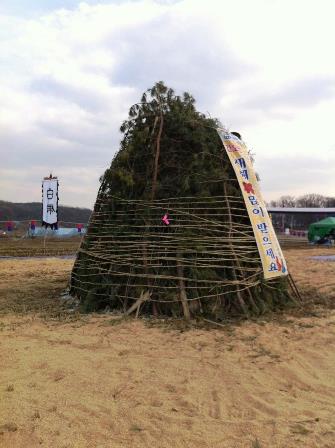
{"x": 256, "y": 444}
{"x": 97, "y": 381}
{"x": 33, "y": 285}
{"x": 22, "y": 247}
{"x": 315, "y": 278}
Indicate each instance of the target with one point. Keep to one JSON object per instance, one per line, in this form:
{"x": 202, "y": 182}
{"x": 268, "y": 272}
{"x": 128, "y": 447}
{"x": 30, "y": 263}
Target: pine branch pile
{"x": 170, "y": 234}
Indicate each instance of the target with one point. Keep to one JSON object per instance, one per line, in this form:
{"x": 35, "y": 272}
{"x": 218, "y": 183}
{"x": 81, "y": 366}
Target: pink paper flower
{"x": 165, "y": 219}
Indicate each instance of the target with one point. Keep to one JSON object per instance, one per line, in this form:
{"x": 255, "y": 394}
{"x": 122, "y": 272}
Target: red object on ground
{"x": 10, "y": 226}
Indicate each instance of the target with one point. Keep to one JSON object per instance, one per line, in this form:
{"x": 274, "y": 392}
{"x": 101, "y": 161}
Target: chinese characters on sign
{"x": 273, "y": 261}
{"x": 50, "y": 202}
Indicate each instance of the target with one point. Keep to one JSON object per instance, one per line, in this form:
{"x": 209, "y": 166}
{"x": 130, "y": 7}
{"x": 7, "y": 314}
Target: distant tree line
{"x": 307, "y": 200}
{"x": 12, "y": 211}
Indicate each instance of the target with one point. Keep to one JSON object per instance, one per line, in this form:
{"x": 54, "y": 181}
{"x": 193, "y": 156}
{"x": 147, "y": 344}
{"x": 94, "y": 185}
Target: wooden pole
{"x": 153, "y": 192}
{"x": 136, "y": 306}
{"x": 182, "y": 292}
{"x": 238, "y": 293}
{"x": 158, "y": 149}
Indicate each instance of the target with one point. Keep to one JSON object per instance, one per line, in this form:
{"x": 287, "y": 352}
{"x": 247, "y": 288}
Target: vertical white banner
{"x": 50, "y": 202}
{"x": 273, "y": 261}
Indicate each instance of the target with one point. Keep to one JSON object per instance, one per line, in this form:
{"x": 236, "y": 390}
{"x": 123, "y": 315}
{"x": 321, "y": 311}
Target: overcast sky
{"x": 70, "y": 70}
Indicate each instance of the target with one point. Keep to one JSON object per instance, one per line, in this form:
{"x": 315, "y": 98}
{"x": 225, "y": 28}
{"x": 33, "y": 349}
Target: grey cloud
{"x": 29, "y": 149}
{"x": 85, "y": 98}
{"x": 294, "y": 175}
{"x": 40, "y": 7}
{"x": 301, "y": 93}
{"x": 184, "y": 52}
{"x": 31, "y": 155}
{"x": 186, "y": 55}
{"x": 84, "y": 135}
{"x": 99, "y": 126}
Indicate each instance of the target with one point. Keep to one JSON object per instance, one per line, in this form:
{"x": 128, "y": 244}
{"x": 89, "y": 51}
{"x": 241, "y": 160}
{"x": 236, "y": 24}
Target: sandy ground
{"x": 313, "y": 275}
{"x": 94, "y": 381}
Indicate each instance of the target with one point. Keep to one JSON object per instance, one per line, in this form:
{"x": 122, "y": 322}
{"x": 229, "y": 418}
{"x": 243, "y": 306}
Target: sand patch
{"x": 89, "y": 383}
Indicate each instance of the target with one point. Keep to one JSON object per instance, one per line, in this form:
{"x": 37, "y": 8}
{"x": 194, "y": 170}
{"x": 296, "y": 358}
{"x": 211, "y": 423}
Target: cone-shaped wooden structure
{"x": 170, "y": 233}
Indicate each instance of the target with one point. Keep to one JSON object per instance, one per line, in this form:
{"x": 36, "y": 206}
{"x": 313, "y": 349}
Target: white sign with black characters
{"x": 50, "y": 202}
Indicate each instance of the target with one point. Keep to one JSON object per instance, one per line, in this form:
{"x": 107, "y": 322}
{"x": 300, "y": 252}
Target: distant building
{"x": 298, "y": 218}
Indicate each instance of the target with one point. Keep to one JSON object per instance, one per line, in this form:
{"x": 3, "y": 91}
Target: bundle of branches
{"x": 170, "y": 233}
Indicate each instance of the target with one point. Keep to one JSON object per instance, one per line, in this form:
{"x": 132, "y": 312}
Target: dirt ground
{"x": 21, "y": 247}
{"x": 77, "y": 381}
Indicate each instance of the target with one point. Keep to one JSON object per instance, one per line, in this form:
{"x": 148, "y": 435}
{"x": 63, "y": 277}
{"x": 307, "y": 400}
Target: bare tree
{"x": 312, "y": 200}
{"x": 330, "y": 202}
{"x": 284, "y": 201}
{"x": 307, "y": 200}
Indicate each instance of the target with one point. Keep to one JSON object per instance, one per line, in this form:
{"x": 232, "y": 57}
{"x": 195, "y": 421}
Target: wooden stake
{"x": 135, "y": 306}
{"x": 45, "y": 235}
{"x": 294, "y": 287}
{"x": 182, "y": 293}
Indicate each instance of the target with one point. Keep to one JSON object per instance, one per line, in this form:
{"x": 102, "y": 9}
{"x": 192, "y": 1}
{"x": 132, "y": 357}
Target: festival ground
{"x": 79, "y": 381}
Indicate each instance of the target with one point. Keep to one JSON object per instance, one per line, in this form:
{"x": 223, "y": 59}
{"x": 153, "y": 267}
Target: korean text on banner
{"x": 50, "y": 202}
{"x": 271, "y": 255}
